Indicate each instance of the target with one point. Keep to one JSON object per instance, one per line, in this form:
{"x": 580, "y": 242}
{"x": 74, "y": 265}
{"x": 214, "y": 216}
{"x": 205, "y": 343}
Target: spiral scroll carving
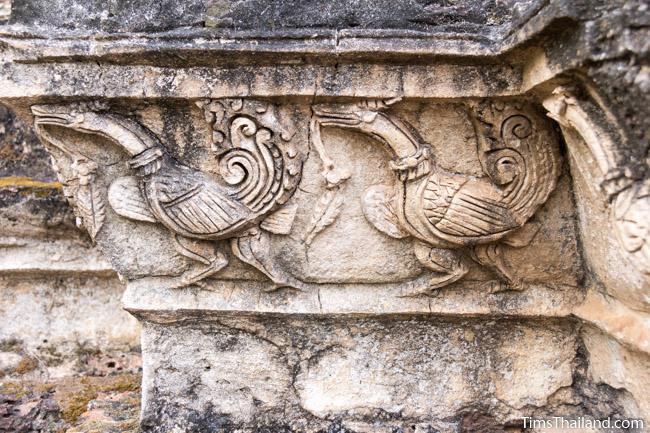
{"x": 258, "y": 155}
{"x": 516, "y": 126}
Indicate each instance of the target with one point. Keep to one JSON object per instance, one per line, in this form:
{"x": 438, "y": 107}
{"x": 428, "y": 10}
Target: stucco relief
{"x": 328, "y": 219}
{"x": 259, "y": 168}
{"x": 624, "y": 180}
{"x": 241, "y": 198}
{"x": 446, "y": 211}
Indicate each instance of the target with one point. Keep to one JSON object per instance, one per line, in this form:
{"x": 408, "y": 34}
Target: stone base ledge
{"x": 153, "y": 303}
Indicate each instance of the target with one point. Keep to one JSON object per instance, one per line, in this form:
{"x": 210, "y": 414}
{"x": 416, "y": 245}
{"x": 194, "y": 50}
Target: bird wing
{"x": 476, "y": 211}
{"x": 198, "y": 205}
{"x": 437, "y": 194}
{"x": 126, "y": 199}
{"x": 378, "y": 209}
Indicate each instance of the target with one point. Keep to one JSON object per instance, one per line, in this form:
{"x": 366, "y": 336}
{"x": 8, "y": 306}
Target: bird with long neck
{"x": 446, "y": 211}
{"x": 256, "y": 177}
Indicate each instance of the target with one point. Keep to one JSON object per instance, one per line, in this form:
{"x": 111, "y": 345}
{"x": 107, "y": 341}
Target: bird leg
{"x": 449, "y": 264}
{"x": 253, "y": 247}
{"x": 491, "y": 256}
{"x": 212, "y": 264}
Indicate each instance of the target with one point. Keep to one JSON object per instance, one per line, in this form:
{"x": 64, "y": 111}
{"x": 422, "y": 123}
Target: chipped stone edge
{"x": 626, "y": 325}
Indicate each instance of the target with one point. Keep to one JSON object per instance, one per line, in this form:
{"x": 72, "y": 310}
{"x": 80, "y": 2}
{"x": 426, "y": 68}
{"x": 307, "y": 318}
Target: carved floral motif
{"x": 631, "y": 216}
{"x": 326, "y": 211}
{"x": 79, "y": 186}
{"x": 90, "y": 203}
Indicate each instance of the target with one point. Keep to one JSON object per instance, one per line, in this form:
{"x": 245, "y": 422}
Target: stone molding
{"x": 289, "y": 208}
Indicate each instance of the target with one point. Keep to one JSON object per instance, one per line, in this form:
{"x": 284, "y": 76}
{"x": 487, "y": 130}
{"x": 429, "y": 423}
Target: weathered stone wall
{"x": 60, "y": 302}
{"x": 5, "y": 10}
{"x": 258, "y": 15}
{"x": 361, "y": 322}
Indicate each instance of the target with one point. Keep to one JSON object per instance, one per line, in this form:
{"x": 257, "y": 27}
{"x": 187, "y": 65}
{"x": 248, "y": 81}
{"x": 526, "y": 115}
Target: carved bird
{"x": 256, "y": 177}
{"x": 447, "y": 211}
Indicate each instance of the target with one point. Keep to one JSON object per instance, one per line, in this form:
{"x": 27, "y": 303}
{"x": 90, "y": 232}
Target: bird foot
{"x": 437, "y": 283}
{"x": 275, "y": 287}
{"x": 426, "y": 291}
{"x": 434, "y": 287}
{"x": 196, "y": 276}
{"x": 448, "y": 266}
{"x": 501, "y": 286}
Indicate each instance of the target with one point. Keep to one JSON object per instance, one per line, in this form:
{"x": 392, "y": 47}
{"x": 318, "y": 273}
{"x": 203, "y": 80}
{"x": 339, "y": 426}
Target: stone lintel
{"x": 108, "y": 81}
{"x": 327, "y": 229}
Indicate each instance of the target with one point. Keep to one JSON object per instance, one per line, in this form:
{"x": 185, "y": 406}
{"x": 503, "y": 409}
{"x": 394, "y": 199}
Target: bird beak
{"x": 333, "y": 115}
{"x": 54, "y": 115}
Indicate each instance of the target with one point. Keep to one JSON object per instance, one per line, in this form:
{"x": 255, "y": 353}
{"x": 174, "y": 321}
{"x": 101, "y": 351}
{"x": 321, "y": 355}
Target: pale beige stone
{"x": 441, "y": 227}
{"x": 623, "y": 368}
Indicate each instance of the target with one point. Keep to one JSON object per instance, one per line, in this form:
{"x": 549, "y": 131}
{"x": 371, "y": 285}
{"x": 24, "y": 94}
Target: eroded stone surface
{"x": 341, "y": 308}
{"x": 241, "y": 373}
{"x": 74, "y": 405}
{"x": 257, "y": 15}
{"x": 613, "y": 363}
{"x": 74, "y": 325}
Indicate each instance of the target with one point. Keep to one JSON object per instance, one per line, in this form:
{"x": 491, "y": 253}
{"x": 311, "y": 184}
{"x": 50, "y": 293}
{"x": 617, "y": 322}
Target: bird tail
{"x": 518, "y": 149}
{"x": 260, "y": 160}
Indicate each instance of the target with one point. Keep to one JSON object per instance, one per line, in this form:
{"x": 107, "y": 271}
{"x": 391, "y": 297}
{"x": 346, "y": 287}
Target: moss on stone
{"x": 26, "y": 365}
{"x": 78, "y": 403}
{"x": 123, "y": 384}
{"x": 10, "y": 345}
{"x": 14, "y": 389}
